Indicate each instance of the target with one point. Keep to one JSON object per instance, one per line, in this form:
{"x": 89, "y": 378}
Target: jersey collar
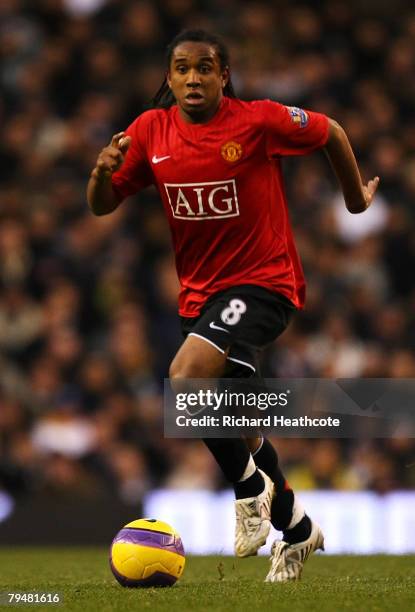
{"x": 192, "y": 128}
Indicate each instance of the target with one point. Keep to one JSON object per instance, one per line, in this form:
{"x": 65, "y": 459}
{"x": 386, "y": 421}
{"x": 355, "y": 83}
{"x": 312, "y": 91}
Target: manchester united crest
{"x": 231, "y": 151}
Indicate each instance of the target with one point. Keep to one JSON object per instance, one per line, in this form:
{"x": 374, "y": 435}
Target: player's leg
{"x": 200, "y": 358}
{"x": 287, "y": 514}
{"x": 235, "y": 322}
{"x": 301, "y": 536}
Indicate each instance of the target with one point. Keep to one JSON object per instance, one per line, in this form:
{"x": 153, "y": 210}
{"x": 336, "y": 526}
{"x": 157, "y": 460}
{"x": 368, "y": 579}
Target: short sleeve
{"x": 293, "y": 131}
{"x": 135, "y": 173}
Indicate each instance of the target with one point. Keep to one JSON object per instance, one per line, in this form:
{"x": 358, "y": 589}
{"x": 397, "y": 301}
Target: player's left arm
{"x": 357, "y": 195}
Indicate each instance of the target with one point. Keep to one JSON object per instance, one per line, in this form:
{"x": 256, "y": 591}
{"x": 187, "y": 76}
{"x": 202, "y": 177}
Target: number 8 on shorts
{"x": 231, "y": 315}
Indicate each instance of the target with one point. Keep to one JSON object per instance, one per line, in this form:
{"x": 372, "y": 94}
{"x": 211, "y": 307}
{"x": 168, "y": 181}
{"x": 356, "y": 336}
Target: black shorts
{"x": 243, "y": 319}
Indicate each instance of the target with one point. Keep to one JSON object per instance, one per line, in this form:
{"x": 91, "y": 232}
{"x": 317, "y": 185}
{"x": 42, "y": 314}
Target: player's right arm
{"x": 101, "y": 197}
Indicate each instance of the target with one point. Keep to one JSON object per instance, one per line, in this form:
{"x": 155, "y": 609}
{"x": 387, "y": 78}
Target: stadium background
{"x": 88, "y": 319}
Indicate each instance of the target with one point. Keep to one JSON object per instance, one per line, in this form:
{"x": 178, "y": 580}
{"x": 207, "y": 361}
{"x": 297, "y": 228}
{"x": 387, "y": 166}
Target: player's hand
{"x": 112, "y": 157}
{"x": 369, "y": 190}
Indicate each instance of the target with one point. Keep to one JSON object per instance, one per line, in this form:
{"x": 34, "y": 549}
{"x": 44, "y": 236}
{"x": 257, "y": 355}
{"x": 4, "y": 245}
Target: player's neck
{"x": 200, "y": 118}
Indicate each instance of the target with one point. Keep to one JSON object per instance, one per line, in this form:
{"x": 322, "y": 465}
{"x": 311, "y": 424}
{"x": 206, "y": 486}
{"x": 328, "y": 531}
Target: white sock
{"x": 249, "y": 470}
{"x": 298, "y": 513}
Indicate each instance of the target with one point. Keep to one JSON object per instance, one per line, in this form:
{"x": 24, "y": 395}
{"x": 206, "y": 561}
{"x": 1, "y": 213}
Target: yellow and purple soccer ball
{"x": 147, "y": 553}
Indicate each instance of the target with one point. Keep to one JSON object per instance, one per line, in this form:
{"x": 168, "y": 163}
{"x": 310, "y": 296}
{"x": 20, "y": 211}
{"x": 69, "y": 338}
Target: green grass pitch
{"x": 213, "y": 584}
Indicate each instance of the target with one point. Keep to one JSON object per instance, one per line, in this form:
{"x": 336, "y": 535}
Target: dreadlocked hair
{"x": 164, "y": 97}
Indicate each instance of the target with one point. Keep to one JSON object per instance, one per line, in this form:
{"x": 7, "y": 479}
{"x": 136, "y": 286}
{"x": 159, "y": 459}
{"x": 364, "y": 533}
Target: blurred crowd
{"x": 88, "y": 321}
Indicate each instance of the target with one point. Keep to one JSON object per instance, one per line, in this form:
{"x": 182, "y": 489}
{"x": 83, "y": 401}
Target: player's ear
{"x": 225, "y": 77}
{"x": 168, "y": 79}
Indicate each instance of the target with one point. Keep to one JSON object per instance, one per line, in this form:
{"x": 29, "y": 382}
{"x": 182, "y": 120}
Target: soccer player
{"x": 215, "y": 161}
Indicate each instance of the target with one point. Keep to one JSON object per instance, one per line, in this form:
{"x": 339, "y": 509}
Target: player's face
{"x": 196, "y": 80}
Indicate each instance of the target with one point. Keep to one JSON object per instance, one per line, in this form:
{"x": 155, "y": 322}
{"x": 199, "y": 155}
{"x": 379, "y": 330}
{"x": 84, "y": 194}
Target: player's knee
{"x": 180, "y": 372}
{"x": 175, "y": 373}
{"x": 182, "y": 369}
{"x": 197, "y": 359}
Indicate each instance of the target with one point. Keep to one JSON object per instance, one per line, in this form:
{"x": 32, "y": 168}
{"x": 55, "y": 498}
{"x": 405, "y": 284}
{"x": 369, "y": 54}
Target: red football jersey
{"x": 221, "y": 186}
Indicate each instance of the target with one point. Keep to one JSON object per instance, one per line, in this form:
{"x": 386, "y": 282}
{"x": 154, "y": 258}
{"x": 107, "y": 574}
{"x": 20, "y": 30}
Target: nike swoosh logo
{"x": 213, "y": 326}
{"x": 157, "y": 160}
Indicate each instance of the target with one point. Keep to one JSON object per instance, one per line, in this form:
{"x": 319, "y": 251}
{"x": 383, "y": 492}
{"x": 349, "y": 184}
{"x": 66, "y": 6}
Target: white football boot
{"x": 287, "y": 560}
{"x": 253, "y": 520}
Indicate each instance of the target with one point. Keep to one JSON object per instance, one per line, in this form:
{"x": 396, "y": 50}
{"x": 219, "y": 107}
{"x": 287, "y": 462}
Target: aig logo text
{"x": 199, "y": 201}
